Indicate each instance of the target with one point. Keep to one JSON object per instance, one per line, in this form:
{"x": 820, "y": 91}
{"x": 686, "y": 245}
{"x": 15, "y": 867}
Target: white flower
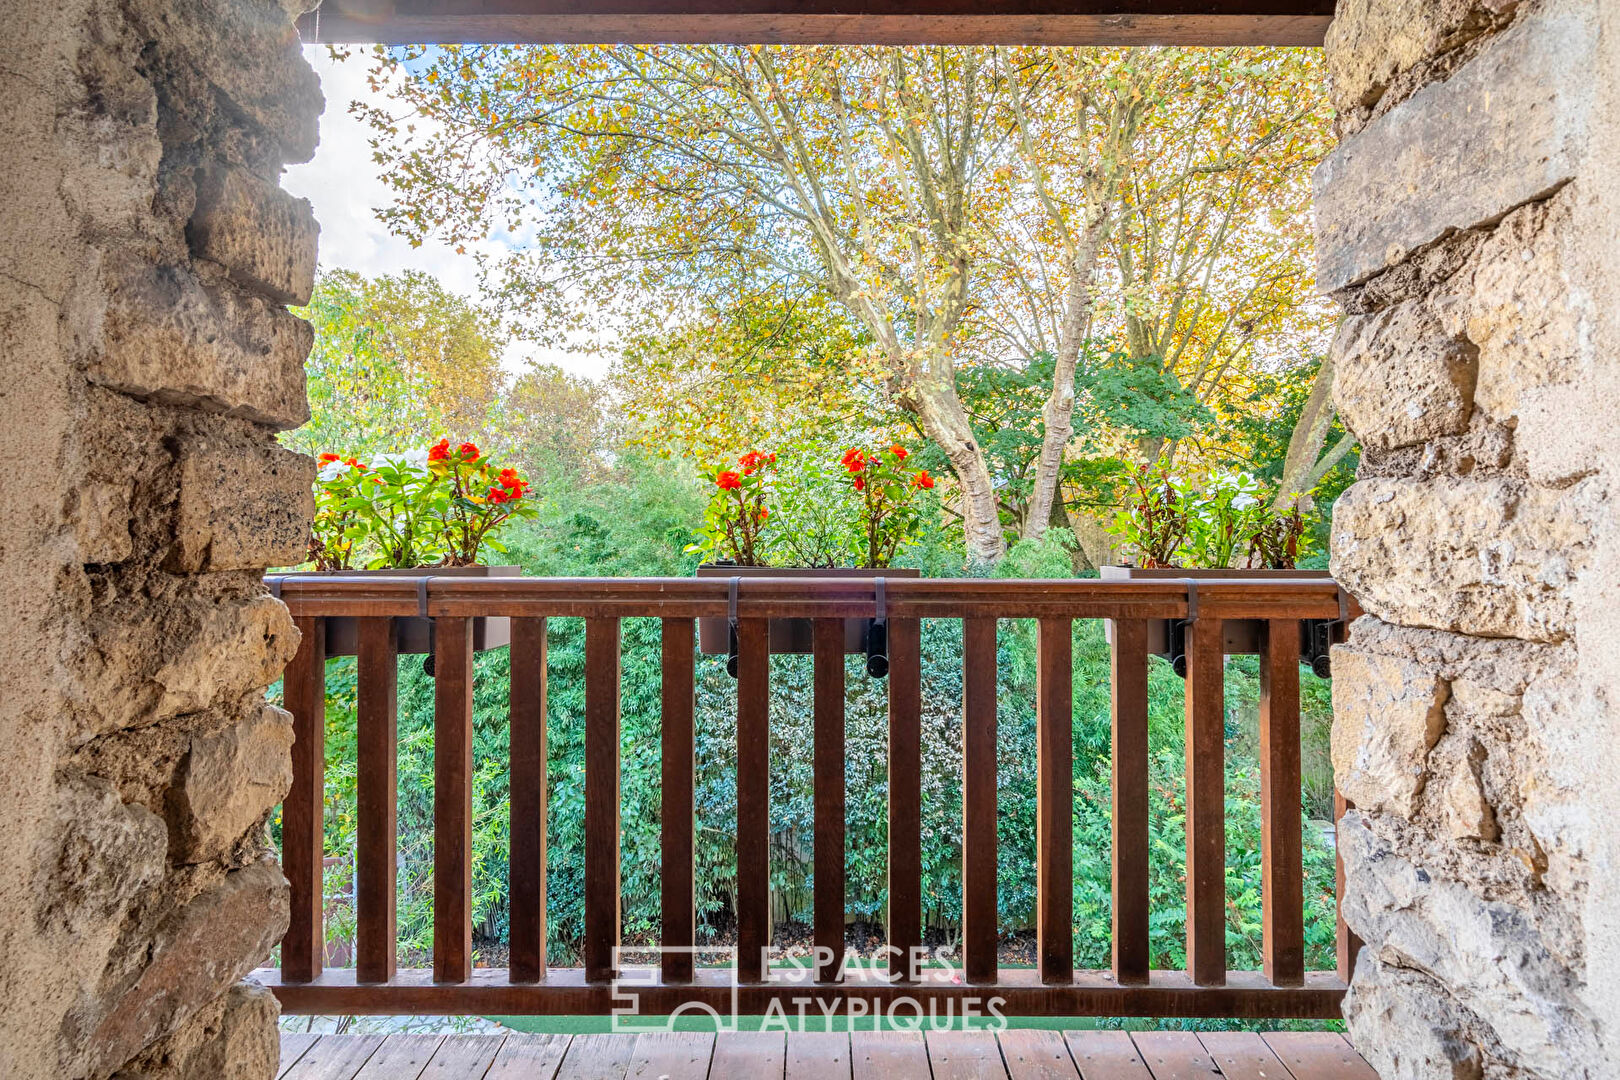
{"x": 1243, "y": 500}
{"x": 332, "y": 470}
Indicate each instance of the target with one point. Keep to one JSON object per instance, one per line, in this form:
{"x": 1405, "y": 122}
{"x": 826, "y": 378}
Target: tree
{"x": 921, "y": 189}
{"x": 558, "y": 423}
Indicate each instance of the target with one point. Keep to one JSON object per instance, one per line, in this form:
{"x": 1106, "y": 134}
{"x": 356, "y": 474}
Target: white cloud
{"x": 346, "y": 187}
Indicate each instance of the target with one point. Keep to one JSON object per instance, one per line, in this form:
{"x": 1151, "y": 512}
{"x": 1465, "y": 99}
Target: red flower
{"x": 354, "y": 464}
{"x": 510, "y": 478}
{"x": 860, "y": 483}
{"x": 498, "y": 495}
{"x": 729, "y": 481}
{"x": 922, "y": 480}
{"x": 898, "y": 451}
{"x": 854, "y": 460}
{"x": 469, "y": 451}
{"x": 750, "y": 461}
{"x": 761, "y": 514}
{"x": 439, "y": 450}
{"x": 328, "y": 458}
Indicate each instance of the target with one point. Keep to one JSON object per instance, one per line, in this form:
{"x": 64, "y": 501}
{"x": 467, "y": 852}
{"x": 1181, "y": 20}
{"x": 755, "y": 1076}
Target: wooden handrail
{"x": 1282, "y": 989}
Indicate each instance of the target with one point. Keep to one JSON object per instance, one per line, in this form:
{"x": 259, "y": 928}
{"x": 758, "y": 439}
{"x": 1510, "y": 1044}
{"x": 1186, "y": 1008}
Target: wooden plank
{"x": 335, "y": 1057}
{"x": 452, "y": 799}
{"x": 376, "y": 791}
{"x": 294, "y": 1045}
{"x": 677, "y": 901}
{"x": 1129, "y": 670}
{"x": 1106, "y": 1055}
{"x": 753, "y": 799}
{"x": 1318, "y": 1055}
{"x": 979, "y": 913}
{"x": 903, "y": 924}
{"x": 1174, "y": 1055}
{"x": 1242, "y": 1055}
{"x": 596, "y": 1057}
{"x": 400, "y": 1057}
{"x": 1282, "y": 871}
{"x": 303, "y": 947}
{"x": 873, "y": 22}
{"x": 829, "y": 799}
{"x": 601, "y": 797}
{"x": 1054, "y": 802}
{"x": 1036, "y": 1054}
{"x": 1345, "y": 942}
{"x": 527, "y": 836}
{"x": 460, "y": 1057}
{"x": 671, "y": 1055}
{"x": 964, "y": 1055}
{"x": 888, "y": 1055}
{"x": 818, "y": 1055}
{"x": 749, "y": 1055}
{"x": 525, "y": 1056}
{"x": 1206, "y": 803}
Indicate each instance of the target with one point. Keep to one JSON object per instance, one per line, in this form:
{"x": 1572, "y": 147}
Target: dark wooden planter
{"x": 411, "y": 634}
{"x": 788, "y": 635}
{"x": 1167, "y": 638}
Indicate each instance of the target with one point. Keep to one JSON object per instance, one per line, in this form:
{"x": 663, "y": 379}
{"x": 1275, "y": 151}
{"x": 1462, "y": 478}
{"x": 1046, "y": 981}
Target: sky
{"x": 346, "y": 188}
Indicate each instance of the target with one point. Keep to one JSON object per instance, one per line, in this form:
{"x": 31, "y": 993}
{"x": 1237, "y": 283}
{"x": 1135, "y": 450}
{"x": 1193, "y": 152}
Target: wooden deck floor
{"x": 1013, "y": 1055}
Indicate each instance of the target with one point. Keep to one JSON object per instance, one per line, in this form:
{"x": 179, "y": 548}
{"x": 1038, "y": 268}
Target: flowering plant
{"x": 434, "y": 506}
{"x": 735, "y": 520}
{"x": 1167, "y": 522}
{"x": 1223, "y": 519}
{"x": 1155, "y": 518}
{"x": 887, "y": 490}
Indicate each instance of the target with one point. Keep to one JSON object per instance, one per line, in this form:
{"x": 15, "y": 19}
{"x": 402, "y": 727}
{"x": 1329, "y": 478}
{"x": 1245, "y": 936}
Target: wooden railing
{"x": 528, "y": 986}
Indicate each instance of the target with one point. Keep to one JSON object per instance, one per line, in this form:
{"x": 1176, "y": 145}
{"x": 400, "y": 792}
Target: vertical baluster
{"x": 601, "y": 797}
{"x": 979, "y": 799}
{"x": 304, "y": 692}
{"x": 1129, "y": 662}
{"x": 1206, "y": 803}
{"x": 753, "y": 798}
{"x": 829, "y": 796}
{"x": 1345, "y": 942}
{"x": 376, "y": 786}
{"x": 1054, "y": 798}
{"x": 1281, "y": 869}
{"x": 452, "y": 799}
{"x": 676, "y": 884}
{"x": 904, "y": 923}
{"x": 527, "y": 834}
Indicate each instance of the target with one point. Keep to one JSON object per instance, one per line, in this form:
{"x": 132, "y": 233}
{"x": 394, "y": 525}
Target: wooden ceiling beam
{"x": 833, "y": 22}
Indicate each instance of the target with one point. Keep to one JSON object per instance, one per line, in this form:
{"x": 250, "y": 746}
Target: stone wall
{"x": 147, "y": 361}
{"x": 1467, "y": 225}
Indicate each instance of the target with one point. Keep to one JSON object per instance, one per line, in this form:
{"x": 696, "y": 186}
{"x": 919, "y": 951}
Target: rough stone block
{"x": 1407, "y": 1026}
{"x": 1370, "y": 42}
{"x": 158, "y": 333}
{"x": 1493, "y": 557}
{"x": 196, "y": 955}
{"x": 244, "y": 504}
{"x": 108, "y": 853}
{"x": 230, "y": 779}
{"x": 236, "y": 1037}
{"x": 1388, "y": 712}
{"x": 1509, "y": 127}
{"x": 264, "y": 237}
{"x": 1399, "y": 378}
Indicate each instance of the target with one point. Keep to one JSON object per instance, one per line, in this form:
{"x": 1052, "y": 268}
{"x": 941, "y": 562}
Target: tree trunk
{"x": 1305, "y": 443}
{"x": 946, "y": 422}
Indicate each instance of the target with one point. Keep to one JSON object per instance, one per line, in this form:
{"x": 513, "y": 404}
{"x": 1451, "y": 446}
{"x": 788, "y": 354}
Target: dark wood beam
{"x": 837, "y": 22}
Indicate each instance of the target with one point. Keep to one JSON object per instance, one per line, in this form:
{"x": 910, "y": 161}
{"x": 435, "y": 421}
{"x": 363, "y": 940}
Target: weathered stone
{"x": 159, "y": 333}
{"x": 1493, "y": 558}
{"x": 231, "y": 779}
{"x": 1468, "y": 814}
{"x": 1490, "y": 955}
{"x": 263, "y": 237}
{"x": 107, "y": 852}
{"x": 235, "y": 1037}
{"x": 1388, "y": 712}
{"x": 1400, "y": 379}
{"x": 1371, "y": 41}
{"x": 1510, "y": 127}
{"x": 243, "y": 504}
{"x": 1407, "y": 1026}
{"x": 206, "y": 946}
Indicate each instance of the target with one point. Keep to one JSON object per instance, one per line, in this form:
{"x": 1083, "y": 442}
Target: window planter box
{"x": 788, "y": 635}
{"x": 1167, "y": 637}
{"x": 414, "y": 634}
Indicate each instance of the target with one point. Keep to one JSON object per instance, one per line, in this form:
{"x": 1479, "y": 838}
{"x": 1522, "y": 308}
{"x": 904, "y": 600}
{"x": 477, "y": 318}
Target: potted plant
{"x": 742, "y": 536}
{"x": 429, "y": 512}
{"x": 1174, "y": 529}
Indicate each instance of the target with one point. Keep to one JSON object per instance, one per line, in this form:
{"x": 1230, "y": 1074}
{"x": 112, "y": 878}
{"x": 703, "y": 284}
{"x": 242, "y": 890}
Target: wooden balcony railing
{"x": 528, "y": 986}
